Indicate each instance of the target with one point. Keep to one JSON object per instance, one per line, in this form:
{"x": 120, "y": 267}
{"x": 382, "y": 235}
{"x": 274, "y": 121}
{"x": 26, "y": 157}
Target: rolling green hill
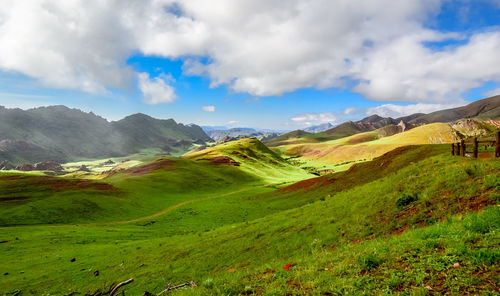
{"x": 414, "y": 221}
{"x": 61, "y": 134}
{"x": 251, "y": 156}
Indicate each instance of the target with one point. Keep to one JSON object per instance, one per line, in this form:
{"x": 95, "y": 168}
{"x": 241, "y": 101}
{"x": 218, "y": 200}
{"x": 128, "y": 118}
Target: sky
{"x": 280, "y": 64}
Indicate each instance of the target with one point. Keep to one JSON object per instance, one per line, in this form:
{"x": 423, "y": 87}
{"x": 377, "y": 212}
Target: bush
{"x": 369, "y": 261}
{"x": 405, "y": 200}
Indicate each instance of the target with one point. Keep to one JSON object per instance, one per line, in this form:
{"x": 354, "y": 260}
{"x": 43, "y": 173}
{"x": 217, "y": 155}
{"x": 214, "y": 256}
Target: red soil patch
{"x": 11, "y": 178}
{"x": 239, "y": 154}
{"x": 218, "y": 160}
{"x": 306, "y": 184}
{"x": 56, "y": 183}
{"x": 144, "y": 169}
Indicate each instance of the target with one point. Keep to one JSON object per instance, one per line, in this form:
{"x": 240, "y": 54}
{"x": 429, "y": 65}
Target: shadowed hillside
{"x": 61, "y": 134}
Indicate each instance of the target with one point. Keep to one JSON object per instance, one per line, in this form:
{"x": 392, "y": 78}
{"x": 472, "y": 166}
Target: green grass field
{"x": 395, "y": 225}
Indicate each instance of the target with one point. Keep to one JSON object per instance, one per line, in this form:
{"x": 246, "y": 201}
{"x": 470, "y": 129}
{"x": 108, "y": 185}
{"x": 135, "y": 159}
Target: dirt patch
{"x": 144, "y": 169}
{"x": 224, "y": 160}
{"x": 306, "y": 184}
{"x": 408, "y": 212}
{"x": 239, "y": 154}
{"x": 53, "y": 183}
{"x": 11, "y": 178}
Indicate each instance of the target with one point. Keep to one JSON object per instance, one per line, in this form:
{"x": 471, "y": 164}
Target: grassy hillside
{"x": 251, "y": 156}
{"x": 135, "y": 192}
{"x": 341, "y": 153}
{"x": 488, "y": 108}
{"x": 398, "y": 231}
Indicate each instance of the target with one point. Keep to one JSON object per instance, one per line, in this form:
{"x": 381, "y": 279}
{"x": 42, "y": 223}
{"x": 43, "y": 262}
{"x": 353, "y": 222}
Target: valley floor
{"x": 415, "y": 221}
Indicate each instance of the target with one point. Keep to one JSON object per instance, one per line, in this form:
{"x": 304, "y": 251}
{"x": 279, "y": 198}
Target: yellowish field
{"x": 366, "y": 146}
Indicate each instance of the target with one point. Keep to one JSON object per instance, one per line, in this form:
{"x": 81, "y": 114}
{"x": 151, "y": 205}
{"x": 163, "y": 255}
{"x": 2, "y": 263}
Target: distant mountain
{"x": 236, "y": 133}
{"x": 485, "y": 109}
{"x": 61, "y": 134}
{"x": 207, "y": 128}
{"x": 488, "y": 108}
{"x": 319, "y": 128}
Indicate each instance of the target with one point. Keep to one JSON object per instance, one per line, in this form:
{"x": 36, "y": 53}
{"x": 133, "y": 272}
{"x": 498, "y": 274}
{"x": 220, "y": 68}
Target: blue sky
{"x": 248, "y": 86}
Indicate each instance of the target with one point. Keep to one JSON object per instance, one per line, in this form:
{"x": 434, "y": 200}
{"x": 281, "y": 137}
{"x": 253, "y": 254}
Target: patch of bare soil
{"x": 320, "y": 181}
{"x": 224, "y": 160}
{"x": 144, "y": 169}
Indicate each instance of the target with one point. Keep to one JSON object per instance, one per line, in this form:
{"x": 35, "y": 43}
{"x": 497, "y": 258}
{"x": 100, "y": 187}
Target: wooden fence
{"x": 460, "y": 148}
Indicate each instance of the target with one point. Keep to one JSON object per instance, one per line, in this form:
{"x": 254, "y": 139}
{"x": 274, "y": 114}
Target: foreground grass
{"x": 339, "y": 239}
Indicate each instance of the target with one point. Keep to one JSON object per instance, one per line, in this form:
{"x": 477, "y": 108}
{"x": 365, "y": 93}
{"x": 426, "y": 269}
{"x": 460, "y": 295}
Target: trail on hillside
{"x": 169, "y": 209}
{"x": 135, "y": 220}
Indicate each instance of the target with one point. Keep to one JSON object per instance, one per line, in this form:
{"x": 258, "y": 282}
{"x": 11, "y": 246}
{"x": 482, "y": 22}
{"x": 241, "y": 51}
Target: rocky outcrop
{"x": 27, "y": 167}
{"x": 5, "y": 165}
{"x": 83, "y": 168}
{"x": 48, "y": 166}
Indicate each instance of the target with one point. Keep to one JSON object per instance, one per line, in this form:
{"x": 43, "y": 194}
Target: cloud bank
{"x": 252, "y": 46}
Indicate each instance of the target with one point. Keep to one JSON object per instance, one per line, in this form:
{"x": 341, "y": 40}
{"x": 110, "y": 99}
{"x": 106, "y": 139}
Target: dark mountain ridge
{"x": 61, "y": 134}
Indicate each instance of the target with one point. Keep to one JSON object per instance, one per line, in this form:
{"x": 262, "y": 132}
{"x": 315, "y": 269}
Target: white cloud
{"x": 492, "y": 93}
{"x": 259, "y": 47}
{"x": 308, "y": 118}
{"x": 156, "y": 90}
{"x": 350, "y": 110}
{"x": 395, "y": 111}
{"x": 66, "y": 44}
{"x": 208, "y": 108}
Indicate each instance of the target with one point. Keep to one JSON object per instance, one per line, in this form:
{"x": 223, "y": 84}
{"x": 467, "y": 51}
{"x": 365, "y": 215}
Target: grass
{"x": 252, "y": 157}
{"x": 351, "y": 233}
{"x": 27, "y": 199}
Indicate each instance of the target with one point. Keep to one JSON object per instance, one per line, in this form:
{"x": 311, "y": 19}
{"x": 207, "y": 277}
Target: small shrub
{"x": 405, "y": 200}
{"x": 369, "y": 261}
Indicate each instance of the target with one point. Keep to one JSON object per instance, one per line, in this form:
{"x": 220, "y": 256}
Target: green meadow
{"x": 414, "y": 221}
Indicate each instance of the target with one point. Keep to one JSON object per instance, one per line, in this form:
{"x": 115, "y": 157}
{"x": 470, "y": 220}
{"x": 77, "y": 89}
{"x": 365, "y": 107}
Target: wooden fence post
{"x": 474, "y": 146}
{"x": 452, "y": 148}
{"x": 497, "y": 146}
{"x": 462, "y": 142}
{"x": 458, "y": 149}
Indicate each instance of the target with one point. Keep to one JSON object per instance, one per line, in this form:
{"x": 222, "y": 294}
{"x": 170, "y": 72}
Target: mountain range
{"x": 488, "y": 108}
{"x": 61, "y": 134}
{"x": 217, "y": 134}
